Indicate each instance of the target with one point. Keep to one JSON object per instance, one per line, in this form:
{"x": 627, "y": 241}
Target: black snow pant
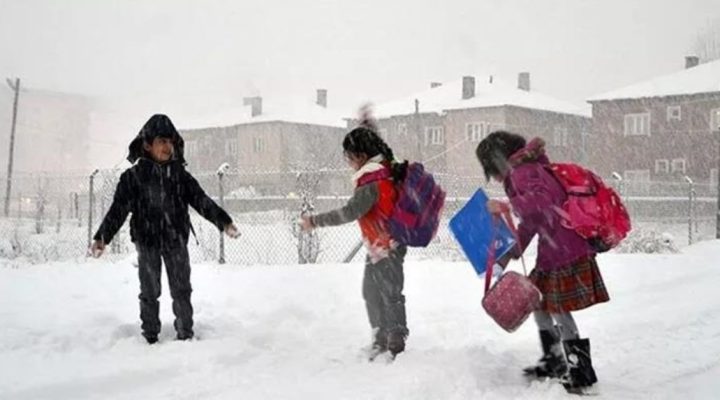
{"x": 382, "y": 290}
{"x": 177, "y": 266}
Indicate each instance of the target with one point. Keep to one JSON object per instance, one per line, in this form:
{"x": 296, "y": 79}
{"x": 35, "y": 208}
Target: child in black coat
{"x": 157, "y": 191}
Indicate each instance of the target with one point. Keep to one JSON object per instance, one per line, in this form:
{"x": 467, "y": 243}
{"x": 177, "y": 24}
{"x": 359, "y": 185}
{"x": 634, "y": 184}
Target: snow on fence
{"x": 52, "y": 217}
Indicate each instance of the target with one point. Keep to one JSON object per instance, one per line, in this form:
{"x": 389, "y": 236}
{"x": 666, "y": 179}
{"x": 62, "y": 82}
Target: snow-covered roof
{"x": 294, "y": 110}
{"x": 704, "y": 78}
{"x": 448, "y": 96}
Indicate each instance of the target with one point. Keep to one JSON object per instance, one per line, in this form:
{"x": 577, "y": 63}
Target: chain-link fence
{"x": 52, "y": 217}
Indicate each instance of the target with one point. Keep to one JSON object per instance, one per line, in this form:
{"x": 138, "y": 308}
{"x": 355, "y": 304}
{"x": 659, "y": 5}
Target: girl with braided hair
{"x": 371, "y": 205}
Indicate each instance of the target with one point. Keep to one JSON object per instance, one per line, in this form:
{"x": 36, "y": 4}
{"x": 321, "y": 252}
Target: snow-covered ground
{"x": 288, "y": 332}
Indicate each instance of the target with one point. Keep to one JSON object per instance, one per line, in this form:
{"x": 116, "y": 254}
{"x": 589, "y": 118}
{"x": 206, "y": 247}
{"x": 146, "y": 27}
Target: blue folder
{"x": 472, "y": 227}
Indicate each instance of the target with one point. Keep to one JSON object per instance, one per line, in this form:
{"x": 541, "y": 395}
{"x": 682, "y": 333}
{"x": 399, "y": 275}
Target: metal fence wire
{"x": 52, "y": 217}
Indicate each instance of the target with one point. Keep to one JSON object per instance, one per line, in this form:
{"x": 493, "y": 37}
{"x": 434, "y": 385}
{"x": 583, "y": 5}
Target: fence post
{"x": 691, "y": 195}
{"x": 76, "y": 201}
{"x": 221, "y": 173}
{"x": 621, "y": 184}
{"x": 91, "y": 204}
{"x": 59, "y": 218}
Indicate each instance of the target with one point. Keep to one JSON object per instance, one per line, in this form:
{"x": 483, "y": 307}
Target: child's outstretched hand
{"x": 497, "y": 207}
{"x": 232, "y": 231}
{"x": 306, "y": 223}
{"x": 97, "y": 248}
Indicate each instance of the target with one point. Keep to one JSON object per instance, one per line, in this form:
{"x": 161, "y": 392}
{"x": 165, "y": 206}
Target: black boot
{"x": 150, "y": 338}
{"x": 396, "y": 342}
{"x": 379, "y": 343}
{"x": 580, "y": 373}
{"x": 380, "y": 340}
{"x": 184, "y": 336}
{"x": 552, "y": 363}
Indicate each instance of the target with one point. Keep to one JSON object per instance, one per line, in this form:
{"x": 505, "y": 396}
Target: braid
{"x": 385, "y": 150}
{"x": 397, "y": 169}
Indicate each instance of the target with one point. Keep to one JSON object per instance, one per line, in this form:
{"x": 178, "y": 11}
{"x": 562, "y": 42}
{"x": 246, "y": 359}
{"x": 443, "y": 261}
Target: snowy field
{"x": 287, "y": 332}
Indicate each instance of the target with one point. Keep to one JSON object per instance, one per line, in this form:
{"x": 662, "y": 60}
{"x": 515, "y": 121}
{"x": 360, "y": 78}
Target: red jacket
{"x": 374, "y": 224}
{"x": 371, "y": 205}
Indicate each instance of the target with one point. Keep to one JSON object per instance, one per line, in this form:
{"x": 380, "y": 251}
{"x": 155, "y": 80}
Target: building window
{"x": 715, "y": 120}
{"x": 259, "y": 145}
{"x": 402, "y": 129}
{"x": 674, "y": 113}
{"x": 678, "y": 166}
{"x": 435, "y": 135}
{"x": 637, "y": 124}
{"x": 561, "y": 136}
{"x": 476, "y": 131}
{"x": 231, "y": 147}
{"x": 662, "y": 166}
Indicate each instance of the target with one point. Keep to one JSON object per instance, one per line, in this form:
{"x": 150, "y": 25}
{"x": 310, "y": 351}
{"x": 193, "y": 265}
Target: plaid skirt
{"x": 570, "y": 288}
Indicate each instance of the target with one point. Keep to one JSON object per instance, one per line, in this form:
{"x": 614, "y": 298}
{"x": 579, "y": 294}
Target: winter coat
{"x": 158, "y": 196}
{"x": 533, "y": 192}
{"x": 371, "y": 205}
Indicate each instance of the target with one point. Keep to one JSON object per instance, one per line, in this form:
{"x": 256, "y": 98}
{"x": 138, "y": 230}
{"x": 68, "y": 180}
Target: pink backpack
{"x": 592, "y": 209}
{"x": 512, "y": 299}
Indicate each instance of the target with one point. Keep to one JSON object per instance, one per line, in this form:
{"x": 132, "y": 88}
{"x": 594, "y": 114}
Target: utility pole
{"x": 8, "y": 189}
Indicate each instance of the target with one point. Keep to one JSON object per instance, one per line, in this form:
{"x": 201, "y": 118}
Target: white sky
{"x": 207, "y": 55}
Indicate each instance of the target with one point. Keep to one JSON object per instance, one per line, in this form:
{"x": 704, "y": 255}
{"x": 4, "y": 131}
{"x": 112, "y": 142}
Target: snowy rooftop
{"x": 294, "y": 110}
{"x": 704, "y": 78}
{"x": 487, "y": 94}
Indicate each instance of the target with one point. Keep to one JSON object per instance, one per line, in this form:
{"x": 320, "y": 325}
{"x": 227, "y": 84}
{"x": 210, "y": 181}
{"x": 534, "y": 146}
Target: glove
{"x": 232, "y": 231}
{"x": 97, "y": 248}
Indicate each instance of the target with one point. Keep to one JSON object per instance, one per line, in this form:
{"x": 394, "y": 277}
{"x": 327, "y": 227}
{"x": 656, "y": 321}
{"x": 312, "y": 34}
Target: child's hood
{"x": 525, "y": 163}
{"x": 534, "y": 151}
{"x": 159, "y": 125}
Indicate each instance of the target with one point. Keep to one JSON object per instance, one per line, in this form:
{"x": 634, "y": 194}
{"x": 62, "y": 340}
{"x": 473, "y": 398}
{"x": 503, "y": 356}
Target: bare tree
{"x": 308, "y": 242}
{"x": 707, "y": 42}
{"x": 317, "y": 155}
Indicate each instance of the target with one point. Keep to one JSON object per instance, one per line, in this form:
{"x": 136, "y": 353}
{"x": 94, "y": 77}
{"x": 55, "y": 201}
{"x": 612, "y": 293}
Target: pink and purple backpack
{"x": 416, "y": 216}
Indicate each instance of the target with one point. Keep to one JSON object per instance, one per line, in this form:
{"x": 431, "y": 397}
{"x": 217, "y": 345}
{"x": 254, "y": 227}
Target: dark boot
{"x": 151, "y": 339}
{"x": 380, "y": 340}
{"x": 552, "y": 363}
{"x": 396, "y": 342}
{"x": 379, "y": 343}
{"x": 184, "y": 337}
{"x": 580, "y": 373}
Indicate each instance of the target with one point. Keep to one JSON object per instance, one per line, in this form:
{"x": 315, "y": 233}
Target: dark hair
{"x": 363, "y": 140}
{"x": 159, "y": 125}
{"x": 493, "y": 151}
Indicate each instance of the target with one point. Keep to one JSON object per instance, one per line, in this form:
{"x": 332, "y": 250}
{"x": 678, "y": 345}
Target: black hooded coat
{"x": 157, "y": 195}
